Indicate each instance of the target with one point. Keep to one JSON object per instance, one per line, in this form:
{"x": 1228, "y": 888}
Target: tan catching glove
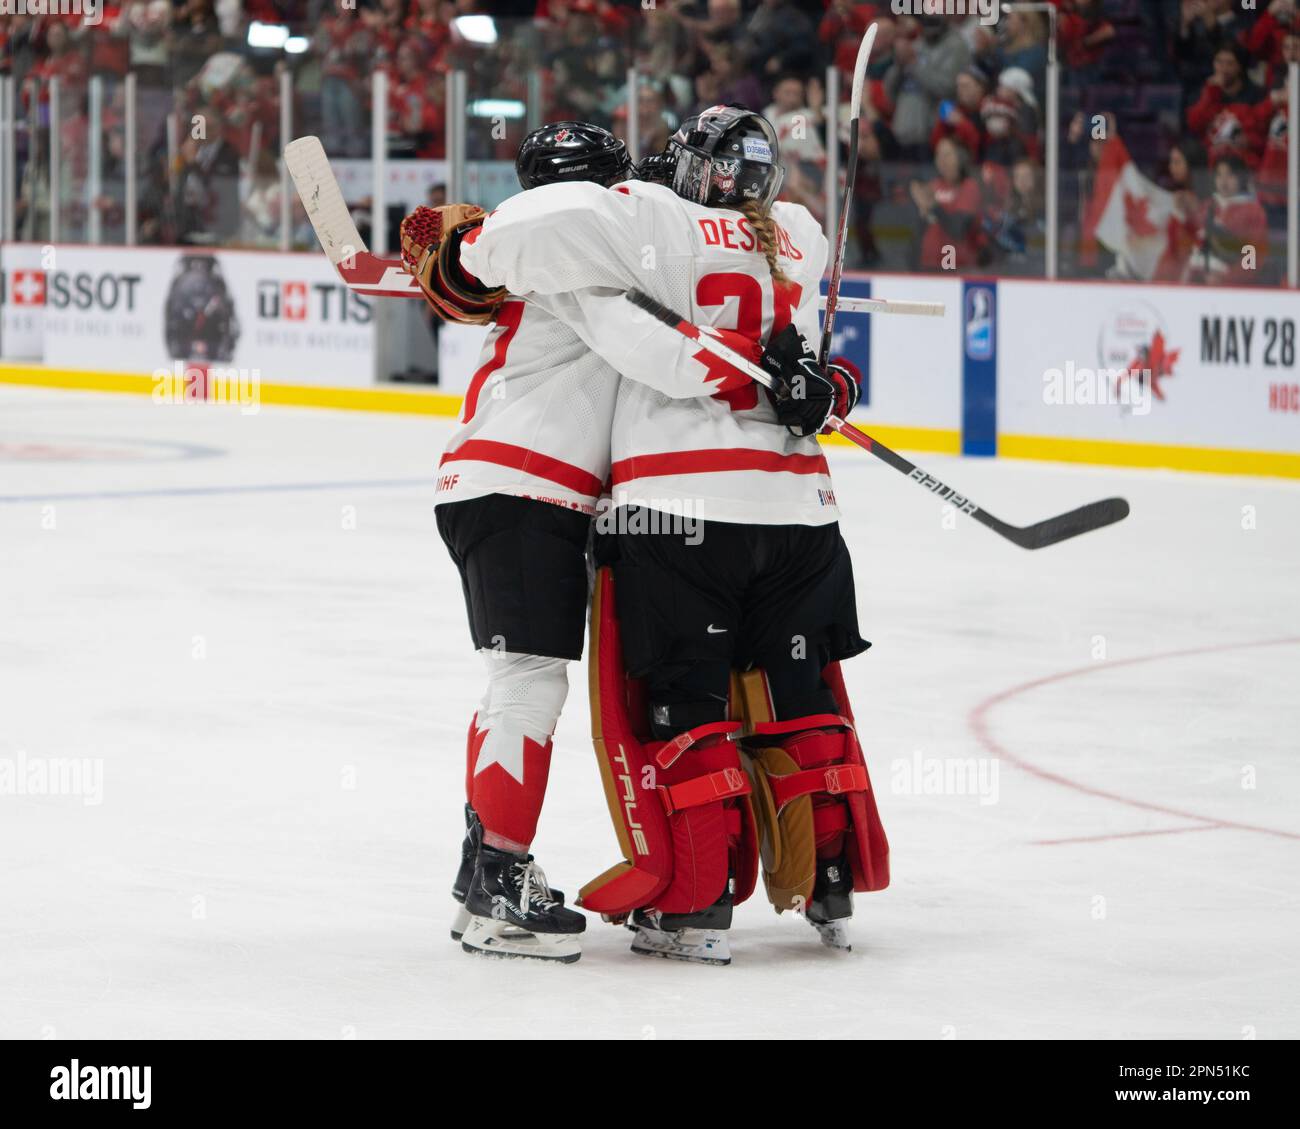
{"x": 431, "y": 240}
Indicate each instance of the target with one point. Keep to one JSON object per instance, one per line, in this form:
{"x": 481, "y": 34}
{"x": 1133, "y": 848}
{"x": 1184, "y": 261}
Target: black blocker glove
{"x": 803, "y": 394}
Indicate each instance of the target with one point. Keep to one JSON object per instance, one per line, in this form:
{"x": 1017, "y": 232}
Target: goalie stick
{"x": 323, "y": 201}
{"x": 1051, "y": 531}
{"x": 850, "y": 177}
{"x": 369, "y": 274}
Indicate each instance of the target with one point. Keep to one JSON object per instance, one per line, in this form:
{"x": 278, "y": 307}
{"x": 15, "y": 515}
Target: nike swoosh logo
{"x": 716, "y": 630}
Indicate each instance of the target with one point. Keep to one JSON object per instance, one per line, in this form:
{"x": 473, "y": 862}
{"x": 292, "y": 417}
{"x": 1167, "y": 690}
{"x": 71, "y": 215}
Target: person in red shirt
{"x": 1233, "y": 244}
{"x": 949, "y": 207}
{"x": 63, "y": 60}
{"x": 961, "y": 119}
{"x": 1227, "y": 102}
{"x": 1186, "y": 164}
{"x": 1084, "y": 33}
{"x": 1271, "y": 122}
{"x": 1266, "y": 40}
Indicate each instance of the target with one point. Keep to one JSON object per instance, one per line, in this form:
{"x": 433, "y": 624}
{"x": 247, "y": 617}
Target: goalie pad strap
{"x": 835, "y": 780}
{"x": 667, "y": 756}
{"x": 828, "y": 819}
{"x": 707, "y": 789}
{"x": 800, "y": 724}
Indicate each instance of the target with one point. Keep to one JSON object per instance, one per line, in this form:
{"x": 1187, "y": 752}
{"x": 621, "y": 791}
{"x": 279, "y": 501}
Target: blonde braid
{"x": 764, "y": 227}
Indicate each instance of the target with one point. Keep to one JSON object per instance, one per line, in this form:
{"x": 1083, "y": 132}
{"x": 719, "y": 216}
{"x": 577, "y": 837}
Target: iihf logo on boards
{"x": 980, "y": 329}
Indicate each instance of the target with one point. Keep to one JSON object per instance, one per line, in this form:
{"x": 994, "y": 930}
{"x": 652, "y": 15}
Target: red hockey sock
{"x": 507, "y": 783}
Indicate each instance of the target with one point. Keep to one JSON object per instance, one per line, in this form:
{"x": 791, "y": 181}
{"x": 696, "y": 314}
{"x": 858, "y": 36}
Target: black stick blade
{"x": 1054, "y": 530}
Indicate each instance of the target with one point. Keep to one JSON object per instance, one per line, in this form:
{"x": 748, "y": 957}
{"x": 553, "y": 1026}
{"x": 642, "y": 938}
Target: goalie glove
{"x": 431, "y": 241}
{"x": 803, "y": 396}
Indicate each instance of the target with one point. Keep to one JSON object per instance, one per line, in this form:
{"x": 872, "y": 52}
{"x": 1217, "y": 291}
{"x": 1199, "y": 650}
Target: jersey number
{"x": 714, "y": 290}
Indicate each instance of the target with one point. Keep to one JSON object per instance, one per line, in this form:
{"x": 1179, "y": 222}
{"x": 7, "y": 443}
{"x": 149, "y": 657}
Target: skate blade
{"x": 695, "y": 946}
{"x": 488, "y": 937}
{"x": 834, "y": 935}
{"x": 460, "y": 923}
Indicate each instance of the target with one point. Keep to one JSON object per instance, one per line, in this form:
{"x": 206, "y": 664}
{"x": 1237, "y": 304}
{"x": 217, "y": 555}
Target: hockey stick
{"x": 1053, "y": 530}
{"x": 367, "y": 273}
{"x": 319, "y": 191}
{"x": 884, "y": 306}
{"x": 850, "y": 177}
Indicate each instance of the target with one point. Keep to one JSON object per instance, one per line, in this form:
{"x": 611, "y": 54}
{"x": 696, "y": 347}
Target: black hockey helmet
{"x": 565, "y": 151}
{"x": 726, "y": 157}
{"x": 658, "y": 168}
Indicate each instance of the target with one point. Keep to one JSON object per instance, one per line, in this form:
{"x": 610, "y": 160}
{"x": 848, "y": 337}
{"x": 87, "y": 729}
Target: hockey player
{"x": 762, "y": 584}
{"x": 517, "y": 487}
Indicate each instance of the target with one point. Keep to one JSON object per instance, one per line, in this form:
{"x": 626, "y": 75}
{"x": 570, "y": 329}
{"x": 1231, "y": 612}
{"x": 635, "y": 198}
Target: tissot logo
{"x": 293, "y": 305}
{"x": 27, "y": 288}
{"x": 86, "y": 290}
{"x": 297, "y": 301}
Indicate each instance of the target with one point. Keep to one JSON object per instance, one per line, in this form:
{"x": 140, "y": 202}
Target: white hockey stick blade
{"x": 889, "y": 306}
{"x": 323, "y": 201}
{"x": 860, "y": 71}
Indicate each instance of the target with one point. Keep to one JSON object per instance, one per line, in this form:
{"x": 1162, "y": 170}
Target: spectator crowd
{"x": 951, "y": 139}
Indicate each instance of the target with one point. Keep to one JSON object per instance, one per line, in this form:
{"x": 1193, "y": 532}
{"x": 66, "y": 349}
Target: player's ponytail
{"x": 760, "y": 219}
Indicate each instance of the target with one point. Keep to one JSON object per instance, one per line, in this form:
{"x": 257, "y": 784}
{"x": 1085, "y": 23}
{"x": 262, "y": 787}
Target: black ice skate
{"x": 831, "y": 904}
{"x": 700, "y": 938}
{"x": 513, "y": 913}
{"x": 468, "y": 857}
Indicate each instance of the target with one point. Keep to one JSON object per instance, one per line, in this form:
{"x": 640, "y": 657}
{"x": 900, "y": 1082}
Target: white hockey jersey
{"x": 676, "y": 444}
{"x": 537, "y": 416}
{"x": 539, "y": 410}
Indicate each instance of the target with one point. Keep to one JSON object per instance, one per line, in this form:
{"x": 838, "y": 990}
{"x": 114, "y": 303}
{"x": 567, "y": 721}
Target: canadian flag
{"x": 1128, "y": 214}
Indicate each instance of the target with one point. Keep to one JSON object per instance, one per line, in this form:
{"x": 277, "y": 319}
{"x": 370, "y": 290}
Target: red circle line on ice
{"x": 978, "y": 720}
{"x": 90, "y": 448}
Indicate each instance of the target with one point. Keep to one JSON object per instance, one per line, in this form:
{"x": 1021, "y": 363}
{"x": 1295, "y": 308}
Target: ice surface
{"x": 249, "y": 623}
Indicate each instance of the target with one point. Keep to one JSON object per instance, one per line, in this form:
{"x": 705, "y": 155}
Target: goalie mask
{"x": 727, "y": 157}
{"x": 572, "y": 151}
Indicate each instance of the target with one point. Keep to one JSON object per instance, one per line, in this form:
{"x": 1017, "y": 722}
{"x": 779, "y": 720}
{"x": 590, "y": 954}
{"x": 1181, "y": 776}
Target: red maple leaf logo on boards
{"x": 1156, "y": 360}
{"x": 1137, "y": 216}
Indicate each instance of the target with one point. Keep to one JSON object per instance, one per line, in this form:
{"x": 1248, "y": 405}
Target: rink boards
{"x": 1180, "y": 377}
